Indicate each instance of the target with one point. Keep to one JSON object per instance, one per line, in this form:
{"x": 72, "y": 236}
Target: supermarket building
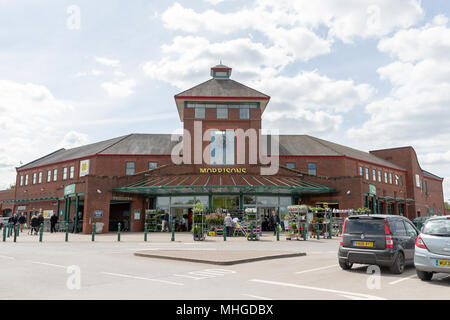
{"x": 118, "y": 179}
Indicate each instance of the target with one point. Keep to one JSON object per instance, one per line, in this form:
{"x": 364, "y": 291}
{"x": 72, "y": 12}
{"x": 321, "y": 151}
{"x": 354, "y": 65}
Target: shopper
{"x": 228, "y": 224}
{"x": 275, "y": 220}
{"x": 165, "y": 222}
{"x": 34, "y": 224}
{"x": 14, "y": 221}
{"x": 22, "y": 220}
{"x": 53, "y": 221}
{"x": 40, "y": 219}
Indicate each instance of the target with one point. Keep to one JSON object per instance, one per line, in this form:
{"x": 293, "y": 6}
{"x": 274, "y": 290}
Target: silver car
{"x": 432, "y": 251}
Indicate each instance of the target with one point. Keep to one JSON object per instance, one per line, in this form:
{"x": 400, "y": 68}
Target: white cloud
{"x": 214, "y": 2}
{"x": 74, "y": 139}
{"x": 121, "y": 89}
{"x": 28, "y": 113}
{"x": 107, "y": 62}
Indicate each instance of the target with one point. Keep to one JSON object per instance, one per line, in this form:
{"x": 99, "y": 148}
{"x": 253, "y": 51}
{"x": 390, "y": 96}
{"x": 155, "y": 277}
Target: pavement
{"x": 108, "y": 269}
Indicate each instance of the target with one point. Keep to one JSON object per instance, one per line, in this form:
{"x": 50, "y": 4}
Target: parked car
{"x": 432, "y": 254}
{"x": 3, "y": 221}
{"x": 420, "y": 221}
{"x": 383, "y": 240}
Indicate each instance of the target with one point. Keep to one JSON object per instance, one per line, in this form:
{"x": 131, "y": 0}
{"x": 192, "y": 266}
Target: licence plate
{"x": 363, "y": 244}
{"x": 443, "y": 263}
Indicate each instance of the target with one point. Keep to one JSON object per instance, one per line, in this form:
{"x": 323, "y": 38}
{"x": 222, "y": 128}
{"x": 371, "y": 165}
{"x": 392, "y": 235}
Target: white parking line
{"x": 256, "y": 297}
{"x": 317, "y": 269}
{"x": 48, "y": 264}
{"x": 338, "y": 292}
{"x": 403, "y": 279}
{"x": 142, "y": 278}
{"x": 6, "y": 257}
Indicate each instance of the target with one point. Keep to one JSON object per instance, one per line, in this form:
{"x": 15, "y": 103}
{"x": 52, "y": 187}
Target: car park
{"x": 432, "y": 252}
{"x": 383, "y": 240}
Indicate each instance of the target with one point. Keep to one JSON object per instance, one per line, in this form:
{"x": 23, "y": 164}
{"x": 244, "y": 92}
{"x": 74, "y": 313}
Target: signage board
{"x": 98, "y": 214}
{"x": 21, "y": 208}
{"x": 372, "y": 190}
{"x": 84, "y": 167}
{"x": 69, "y": 190}
{"x": 47, "y": 214}
{"x": 137, "y": 214}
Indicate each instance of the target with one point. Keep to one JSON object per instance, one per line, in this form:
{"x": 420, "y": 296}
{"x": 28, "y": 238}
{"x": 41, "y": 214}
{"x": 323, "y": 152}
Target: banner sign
{"x": 84, "y": 168}
{"x": 70, "y": 189}
{"x": 98, "y": 214}
{"x": 372, "y": 189}
{"x": 223, "y": 170}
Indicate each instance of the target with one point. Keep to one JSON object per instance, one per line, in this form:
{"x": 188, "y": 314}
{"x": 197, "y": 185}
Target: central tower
{"x": 213, "y": 112}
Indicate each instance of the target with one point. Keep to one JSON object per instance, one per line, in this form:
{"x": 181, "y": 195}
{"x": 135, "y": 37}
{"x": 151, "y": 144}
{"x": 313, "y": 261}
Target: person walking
{"x": 275, "y": 220}
{"x": 53, "y": 221}
{"x": 14, "y": 221}
{"x": 165, "y": 222}
{"x": 40, "y": 220}
{"x": 22, "y": 220}
{"x": 34, "y": 224}
{"x": 228, "y": 224}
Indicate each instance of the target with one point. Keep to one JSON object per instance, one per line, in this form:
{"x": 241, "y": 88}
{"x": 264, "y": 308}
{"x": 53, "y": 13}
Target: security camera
{"x": 348, "y": 192}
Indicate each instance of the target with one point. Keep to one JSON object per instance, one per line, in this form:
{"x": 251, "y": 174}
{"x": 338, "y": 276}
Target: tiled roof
{"x": 429, "y": 174}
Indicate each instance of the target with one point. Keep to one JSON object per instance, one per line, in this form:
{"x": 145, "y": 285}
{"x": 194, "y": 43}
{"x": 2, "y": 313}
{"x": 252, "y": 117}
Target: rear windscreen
{"x": 437, "y": 227}
{"x": 366, "y": 226}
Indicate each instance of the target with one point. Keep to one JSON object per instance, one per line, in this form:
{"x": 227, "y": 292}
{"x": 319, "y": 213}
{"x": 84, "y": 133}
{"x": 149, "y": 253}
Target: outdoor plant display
{"x": 198, "y": 220}
{"x": 253, "y": 223}
{"x": 215, "y": 219}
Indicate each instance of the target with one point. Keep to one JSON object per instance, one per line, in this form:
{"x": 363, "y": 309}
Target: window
{"x": 200, "y": 113}
{"x": 55, "y": 174}
{"x": 367, "y": 174}
{"x": 152, "y": 165}
{"x": 222, "y": 113}
{"x": 312, "y": 168}
{"x": 361, "y": 171}
{"x": 34, "y": 178}
{"x": 65, "y": 173}
{"x": 397, "y": 227}
{"x": 425, "y": 187}
{"x": 49, "y": 175}
{"x": 390, "y": 178}
{"x": 40, "y": 177}
{"x": 130, "y": 167}
{"x": 385, "y": 177}
{"x": 244, "y": 113}
{"x": 21, "y": 180}
{"x": 417, "y": 181}
{"x": 222, "y": 147}
{"x": 401, "y": 180}
{"x": 380, "y": 178}
{"x": 397, "y": 180}
{"x": 374, "y": 175}
{"x": 72, "y": 172}
{"x": 26, "y": 180}
{"x": 290, "y": 165}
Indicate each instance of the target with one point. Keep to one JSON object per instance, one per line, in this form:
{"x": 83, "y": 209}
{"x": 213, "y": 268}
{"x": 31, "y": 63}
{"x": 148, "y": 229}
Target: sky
{"x": 369, "y": 74}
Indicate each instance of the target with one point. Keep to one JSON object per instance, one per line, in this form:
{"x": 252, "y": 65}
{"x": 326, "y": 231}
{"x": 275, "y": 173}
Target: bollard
{"x": 224, "y": 232}
{"x": 199, "y": 233}
{"x": 41, "y": 232}
{"x": 4, "y": 233}
{"x": 317, "y": 231}
{"x": 278, "y": 232}
{"x": 118, "y": 232}
{"x": 67, "y": 231}
{"x": 251, "y": 232}
{"x": 93, "y": 231}
{"x": 145, "y": 231}
{"x": 173, "y": 231}
{"x": 331, "y": 230}
{"x": 9, "y": 229}
{"x": 304, "y": 232}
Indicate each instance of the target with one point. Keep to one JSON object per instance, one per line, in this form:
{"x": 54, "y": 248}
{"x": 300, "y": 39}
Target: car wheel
{"x": 399, "y": 264}
{"x": 424, "y": 276}
{"x": 345, "y": 265}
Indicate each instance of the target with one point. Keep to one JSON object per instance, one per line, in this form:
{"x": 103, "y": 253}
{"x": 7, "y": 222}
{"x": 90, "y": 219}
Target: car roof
{"x": 386, "y": 216}
{"x": 439, "y": 217}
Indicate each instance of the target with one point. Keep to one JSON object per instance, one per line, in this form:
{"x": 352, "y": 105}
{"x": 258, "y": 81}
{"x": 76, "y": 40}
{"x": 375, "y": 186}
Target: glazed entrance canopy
{"x": 223, "y": 184}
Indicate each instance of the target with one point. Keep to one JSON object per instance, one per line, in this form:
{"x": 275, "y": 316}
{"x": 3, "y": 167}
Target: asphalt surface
{"x": 109, "y": 270}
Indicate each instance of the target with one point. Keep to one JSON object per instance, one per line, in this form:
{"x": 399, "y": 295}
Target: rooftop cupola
{"x": 220, "y": 72}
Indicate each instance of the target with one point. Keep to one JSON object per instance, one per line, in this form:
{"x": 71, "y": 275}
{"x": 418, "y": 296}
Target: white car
{"x": 432, "y": 251}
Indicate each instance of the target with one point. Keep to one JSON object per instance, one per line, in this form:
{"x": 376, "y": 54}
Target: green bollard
{"x": 67, "y": 231}
{"x": 317, "y": 232}
{"x": 251, "y": 232}
{"x": 4, "y": 233}
{"x": 118, "y": 232}
{"x": 278, "y": 232}
{"x": 199, "y": 233}
{"x": 304, "y": 232}
{"x": 9, "y": 229}
{"x": 145, "y": 231}
{"x": 41, "y": 232}
{"x": 93, "y": 231}
{"x": 224, "y": 232}
{"x": 173, "y": 231}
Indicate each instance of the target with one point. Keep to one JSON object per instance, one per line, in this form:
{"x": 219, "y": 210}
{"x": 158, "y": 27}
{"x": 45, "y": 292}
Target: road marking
{"x": 6, "y": 257}
{"x": 142, "y": 278}
{"x": 206, "y": 274}
{"x": 256, "y": 297}
{"x": 317, "y": 269}
{"x": 347, "y": 293}
{"x": 48, "y": 264}
{"x": 403, "y": 279}
{"x": 351, "y": 297}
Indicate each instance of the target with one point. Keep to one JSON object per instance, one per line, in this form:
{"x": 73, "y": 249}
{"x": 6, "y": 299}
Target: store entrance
{"x": 266, "y": 214}
{"x": 119, "y": 212}
{"x": 181, "y": 216}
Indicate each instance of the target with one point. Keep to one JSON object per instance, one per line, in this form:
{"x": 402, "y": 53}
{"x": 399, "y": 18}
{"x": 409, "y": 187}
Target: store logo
{"x": 228, "y": 147}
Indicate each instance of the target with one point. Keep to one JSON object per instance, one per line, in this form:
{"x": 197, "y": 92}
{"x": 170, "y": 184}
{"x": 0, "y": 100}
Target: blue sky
{"x": 367, "y": 74}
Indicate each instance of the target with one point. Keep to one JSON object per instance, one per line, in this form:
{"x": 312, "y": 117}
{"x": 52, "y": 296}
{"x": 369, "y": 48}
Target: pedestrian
{"x": 228, "y": 224}
{"x": 53, "y": 221}
{"x": 14, "y": 221}
{"x": 40, "y": 220}
{"x": 190, "y": 220}
{"x": 22, "y": 220}
{"x": 34, "y": 224}
{"x": 165, "y": 222}
{"x": 275, "y": 220}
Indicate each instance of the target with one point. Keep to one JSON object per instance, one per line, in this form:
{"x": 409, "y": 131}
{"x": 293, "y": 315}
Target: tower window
{"x": 199, "y": 113}
{"x": 312, "y": 169}
{"x": 290, "y": 165}
{"x": 130, "y": 168}
{"x": 222, "y": 113}
{"x": 244, "y": 113}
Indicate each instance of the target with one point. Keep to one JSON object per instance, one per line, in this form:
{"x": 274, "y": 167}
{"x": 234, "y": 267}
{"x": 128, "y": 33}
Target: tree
{"x": 12, "y": 186}
{"x": 447, "y": 205}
